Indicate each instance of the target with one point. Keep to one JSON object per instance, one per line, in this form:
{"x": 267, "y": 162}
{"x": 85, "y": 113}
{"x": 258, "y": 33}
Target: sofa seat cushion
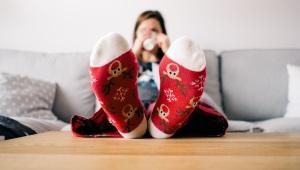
{"x": 278, "y": 125}
{"x": 239, "y": 126}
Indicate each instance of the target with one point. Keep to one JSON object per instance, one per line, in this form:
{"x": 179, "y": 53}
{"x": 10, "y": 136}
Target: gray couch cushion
{"x": 254, "y": 83}
{"x": 212, "y": 86}
{"x": 279, "y": 125}
{"x": 239, "y": 126}
{"x": 271, "y": 125}
{"x": 68, "y": 70}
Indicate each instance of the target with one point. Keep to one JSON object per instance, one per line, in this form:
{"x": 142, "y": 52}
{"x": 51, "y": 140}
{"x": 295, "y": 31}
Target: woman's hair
{"x": 149, "y": 15}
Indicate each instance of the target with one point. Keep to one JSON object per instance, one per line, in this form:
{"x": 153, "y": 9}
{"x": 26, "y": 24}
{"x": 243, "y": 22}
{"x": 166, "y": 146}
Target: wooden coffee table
{"x": 243, "y": 151}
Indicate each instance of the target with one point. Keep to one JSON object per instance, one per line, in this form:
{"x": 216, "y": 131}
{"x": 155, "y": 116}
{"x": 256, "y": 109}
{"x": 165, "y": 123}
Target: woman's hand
{"x": 138, "y": 45}
{"x": 163, "y": 42}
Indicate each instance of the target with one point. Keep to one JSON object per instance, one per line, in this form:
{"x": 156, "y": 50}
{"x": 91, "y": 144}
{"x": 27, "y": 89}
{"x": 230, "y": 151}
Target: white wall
{"x": 75, "y": 25}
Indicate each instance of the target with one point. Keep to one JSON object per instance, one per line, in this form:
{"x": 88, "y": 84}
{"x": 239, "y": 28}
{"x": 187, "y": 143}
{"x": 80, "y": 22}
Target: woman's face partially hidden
{"x": 146, "y": 28}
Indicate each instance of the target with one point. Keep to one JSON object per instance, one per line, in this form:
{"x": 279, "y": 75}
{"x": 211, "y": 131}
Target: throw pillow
{"x": 21, "y": 96}
{"x": 293, "y": 107}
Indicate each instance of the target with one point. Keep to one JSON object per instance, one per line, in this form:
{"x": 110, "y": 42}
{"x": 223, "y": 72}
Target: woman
{"x": 177, "y": 108}
{"x": 149, "y": 25}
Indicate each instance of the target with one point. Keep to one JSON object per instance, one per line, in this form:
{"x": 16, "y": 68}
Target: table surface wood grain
{"x": 243, "y": 151}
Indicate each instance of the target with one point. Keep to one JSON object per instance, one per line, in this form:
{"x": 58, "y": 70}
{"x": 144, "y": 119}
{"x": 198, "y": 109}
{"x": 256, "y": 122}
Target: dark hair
{"x": 148, "y": 15}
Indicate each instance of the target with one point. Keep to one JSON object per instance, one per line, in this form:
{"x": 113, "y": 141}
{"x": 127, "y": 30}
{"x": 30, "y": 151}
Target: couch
{"x": 249, "y": 85}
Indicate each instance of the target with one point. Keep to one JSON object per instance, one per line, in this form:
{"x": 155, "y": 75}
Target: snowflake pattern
{"x": 93, "y": 80}
{"x": 121, "y": 93}
{"x": 199, "y": 83}
{"x": 92, "y": 77}
{"x": 170, "y": 95}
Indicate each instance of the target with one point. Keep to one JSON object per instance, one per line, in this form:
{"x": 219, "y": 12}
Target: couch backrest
{"x": 254, "y": 82}
{"x": 68, "y": 70}
{"x": 212, "y": 85}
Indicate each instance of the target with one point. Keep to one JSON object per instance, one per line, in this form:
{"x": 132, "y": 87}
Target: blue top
{"x": 147, "y": 87}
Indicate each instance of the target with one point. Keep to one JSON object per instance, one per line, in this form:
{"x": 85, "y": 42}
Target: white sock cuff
{"x": 138, "y": 132}
{"x": 107, "y": 48}
{"x": 187, "y": 53}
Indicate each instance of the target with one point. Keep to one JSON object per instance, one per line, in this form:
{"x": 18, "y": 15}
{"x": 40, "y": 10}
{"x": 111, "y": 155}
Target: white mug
{"x": 150, "y": 43}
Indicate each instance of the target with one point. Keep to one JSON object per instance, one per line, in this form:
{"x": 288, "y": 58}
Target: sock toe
{"x": 108, "y": 48}
{"x": 155, "y": 132}
{"x": 138, "y": 132}
{"x": 188, "y": 53}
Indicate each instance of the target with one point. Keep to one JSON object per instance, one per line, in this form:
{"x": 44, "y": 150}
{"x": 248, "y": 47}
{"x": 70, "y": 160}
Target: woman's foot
{"x": 113, "y": 72}
{"x": 182, "y": 78}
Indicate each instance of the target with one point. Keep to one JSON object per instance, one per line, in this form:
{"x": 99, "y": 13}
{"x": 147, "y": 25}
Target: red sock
{"x": 182, "y": 76}
{"x": 113, "y": 72}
